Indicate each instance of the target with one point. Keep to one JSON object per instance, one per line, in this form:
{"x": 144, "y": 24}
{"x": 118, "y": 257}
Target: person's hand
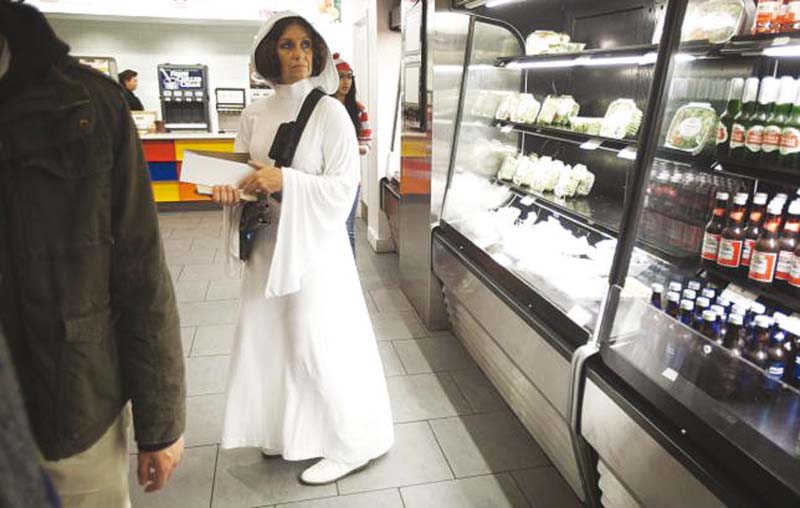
{"x": 266, "y": 179}
{"x": 155, "y": 468}
{"x": 225, "y": 195}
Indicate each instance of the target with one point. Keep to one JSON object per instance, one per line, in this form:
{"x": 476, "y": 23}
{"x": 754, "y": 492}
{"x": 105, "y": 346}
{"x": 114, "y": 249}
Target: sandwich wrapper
{"x": 206, "y": 169}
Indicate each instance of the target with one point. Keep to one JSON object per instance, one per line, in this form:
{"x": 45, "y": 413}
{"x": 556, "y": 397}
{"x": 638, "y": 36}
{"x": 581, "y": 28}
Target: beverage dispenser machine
{"x": 184, "y": 97}
{"x": 230, "y": 104}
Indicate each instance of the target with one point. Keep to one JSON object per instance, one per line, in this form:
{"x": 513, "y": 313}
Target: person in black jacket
{"x": 130, "y": 82}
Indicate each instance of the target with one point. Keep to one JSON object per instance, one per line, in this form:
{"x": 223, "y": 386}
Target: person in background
{"x": 358, "y": 115}
{"x": 130, "y": 82}
{"x": 86, "y": 300}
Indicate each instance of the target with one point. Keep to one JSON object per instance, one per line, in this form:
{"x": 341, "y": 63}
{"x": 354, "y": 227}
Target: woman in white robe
{"x": 306, "y": 379}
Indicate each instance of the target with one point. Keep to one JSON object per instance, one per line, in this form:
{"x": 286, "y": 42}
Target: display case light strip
{"x": 496, "y": 3}
{"x": 782, "y": 51}
{"x": 585, "y": 61}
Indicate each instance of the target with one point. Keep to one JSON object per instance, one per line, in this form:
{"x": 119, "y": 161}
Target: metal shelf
{"x": 568, "y": 136}
{"x": 773, "y": 294}
{"x": 588, "y": 56}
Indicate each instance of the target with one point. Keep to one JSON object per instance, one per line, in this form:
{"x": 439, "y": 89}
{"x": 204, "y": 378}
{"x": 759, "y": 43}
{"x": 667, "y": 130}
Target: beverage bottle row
{"x": 777, "y": 16}
{"x": 770, "y": 343}
{"x": 761, "y": 122}
{"x": 757, "y": 240}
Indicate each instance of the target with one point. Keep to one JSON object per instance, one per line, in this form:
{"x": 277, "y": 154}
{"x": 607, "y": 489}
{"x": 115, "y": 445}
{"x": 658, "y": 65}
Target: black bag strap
{"x": 309, "y": 104}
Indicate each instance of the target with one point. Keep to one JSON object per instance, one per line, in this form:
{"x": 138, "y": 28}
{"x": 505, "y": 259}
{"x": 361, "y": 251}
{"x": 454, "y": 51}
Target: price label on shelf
{"x": 592, "y": 144}
{"x": 579, "y": 315}
{"x": 628, "y": 153}
{"x": 527, "y": 201}
{"x": 670, "y": 374}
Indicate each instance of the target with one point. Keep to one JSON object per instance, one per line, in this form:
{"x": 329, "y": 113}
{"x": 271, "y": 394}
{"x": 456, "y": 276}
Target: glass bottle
{"x": 701, "y": 305}
{"x": 742, "y": 119}
{"x": 787, "y": 243}
{"x": 708, "y": 327}
{"x": 714, "y": 229}
{"x": 767, "y": 16}
{"x": 695, "y": 285}
{"x": 767, "y": 96}
{"x": 756, "y": 219}
{"x": 735, "y": 91}
{"x": 756, "y": 351}
{"x": 689, "y": 294}
{"x": 734, "y": 335}
{"x": 687, "y": 312}
{"x": 771, "y": 142}
{"x": 657, "y": 295}
{"x": 732, "y": 237}
{"x": 790, "y": 137}
{"x": 765, "y": 252}
{"x": 791, "y": 17}
{"x": 776, "y": 361}
{"x": 673, "y": 304}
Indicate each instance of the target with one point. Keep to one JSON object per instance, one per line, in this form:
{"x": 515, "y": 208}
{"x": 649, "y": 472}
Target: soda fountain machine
{"x": 184, "y": 97}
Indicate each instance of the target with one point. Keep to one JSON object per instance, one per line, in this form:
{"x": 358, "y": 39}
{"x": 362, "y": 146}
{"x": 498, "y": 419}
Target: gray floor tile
{"x": 209, "y": 313}
{"x": 371, "y": 307}
{"x": 187, "y": 338}
{"x": 245, "y": 479}
{"x": 478, "y": 390}
{"x": 204, "y": 417}
{"x": 377, "y": 280}
{"x": 378, "y": 499}
{"x": 175, "y": 246}
{"x": 224, "y": 290}
{"x": 189, "y": 487}
{"x": 425, "y": 396}
{"x": 206, "y": 374}
{"x": 391, "y": 300}
{"x": 545, "y": 487}
{"x": 202, "y": 231}
{"x": 397, "y": 325}
{"x": 433, "y": 354}
{"x": 414, "y": 459}
{"x": 213, "y": 340}
{"x": 175, "y": 271}
{"x": 191, "y": 290}
{"x": 487, "y": 443}
{"x": 203, "y": 242}
{"x": 391, "y": 362}
{"x": 498, "y": 491}
{"x": 216, "y": 271}
{"x": 192, "y": 256}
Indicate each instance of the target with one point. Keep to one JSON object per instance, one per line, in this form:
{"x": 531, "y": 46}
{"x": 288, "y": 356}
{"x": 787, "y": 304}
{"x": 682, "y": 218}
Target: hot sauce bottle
{"x": 732, "y": 237}
{"x": 788, "y": 243}
{"x": 765, "y": 252}
{"x": 757, "y": 212}
{"x": 714, "y": 229}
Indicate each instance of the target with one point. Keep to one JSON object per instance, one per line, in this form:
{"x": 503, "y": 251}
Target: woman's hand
{"x": 266, "y": 179}
{"x": 225, "y": 195}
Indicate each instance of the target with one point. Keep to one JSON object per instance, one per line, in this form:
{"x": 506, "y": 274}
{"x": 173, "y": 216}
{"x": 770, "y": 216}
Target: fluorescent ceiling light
{"x": 785, "y": 51}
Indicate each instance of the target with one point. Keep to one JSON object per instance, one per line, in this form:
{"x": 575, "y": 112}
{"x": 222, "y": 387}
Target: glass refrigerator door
{"x": 709, "y": 334}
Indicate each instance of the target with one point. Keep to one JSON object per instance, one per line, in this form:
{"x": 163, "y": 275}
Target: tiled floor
{"x": 457, "y": 443}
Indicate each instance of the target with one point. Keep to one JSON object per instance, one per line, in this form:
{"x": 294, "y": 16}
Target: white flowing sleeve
{"x": 314, "y": 208}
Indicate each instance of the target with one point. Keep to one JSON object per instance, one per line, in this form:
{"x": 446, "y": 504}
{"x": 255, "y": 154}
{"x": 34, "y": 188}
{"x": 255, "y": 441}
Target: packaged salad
{"x": 692, "y": 128}
{"x": 716, "y": 21}
{"x": 622, "y": 119}
{"x": 507, "y": 106}
{"x": 548, "y": 111}
{"x": 527, "y": 109}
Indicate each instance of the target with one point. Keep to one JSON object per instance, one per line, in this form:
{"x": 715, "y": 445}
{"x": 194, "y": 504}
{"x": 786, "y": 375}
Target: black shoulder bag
{"x": 256, "y": 214}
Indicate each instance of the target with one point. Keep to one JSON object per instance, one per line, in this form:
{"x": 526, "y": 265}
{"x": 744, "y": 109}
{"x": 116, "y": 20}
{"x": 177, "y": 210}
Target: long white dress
{"x": 306, "y": 378}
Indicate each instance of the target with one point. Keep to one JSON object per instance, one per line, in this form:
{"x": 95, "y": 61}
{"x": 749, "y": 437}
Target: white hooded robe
{"x": 306, "y": 378}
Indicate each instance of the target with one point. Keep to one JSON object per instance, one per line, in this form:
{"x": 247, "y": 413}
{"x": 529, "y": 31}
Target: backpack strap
{"x": 302, "y": 119}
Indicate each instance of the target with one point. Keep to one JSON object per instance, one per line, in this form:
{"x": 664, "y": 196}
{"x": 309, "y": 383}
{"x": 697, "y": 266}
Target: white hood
{"x": 328, "y": 80}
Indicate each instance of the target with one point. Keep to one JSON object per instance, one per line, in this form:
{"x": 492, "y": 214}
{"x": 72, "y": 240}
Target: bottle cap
{"x": 736, "y": 88}
{"x": 776, "y": 207}
{"x": 788, "y": 90}
{"x": 687, "y": 305}
{"x": 675, "y": 286}
{"x": 703, "y": 302}
{"x": 758, "y": 308}
{"x": 794, "y": 207}
{"x": 736, "y": 319}
{"x": 709, "y": 315}
{"x": 779, "y": 317}
{"x": 763, "y": 321}
{"x": 709, "y": 293}
{"x": 782, "y": 196}
{"x": 694, "y": 285}
{"x": 769, "y": 90}
{"x": 741, "y": 199}
{"x": 723, "y": 196}
{"x": 750, "y": 90}
{"x": 723, "y": 301}
{"x": 689, "y": 294}
{"x": 760, "y": 198}
{"x": 674, "y": 296}
{"x": 657, "y": 288}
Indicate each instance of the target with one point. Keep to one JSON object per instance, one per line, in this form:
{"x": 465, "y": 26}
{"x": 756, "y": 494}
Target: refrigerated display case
{"x": 585, "y": 169}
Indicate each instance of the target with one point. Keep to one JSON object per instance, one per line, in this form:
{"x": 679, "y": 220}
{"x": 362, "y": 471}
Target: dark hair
{"x": 127, "y": 75}
{"x": 267, "y": 62}
{"x": 351, "y": 105}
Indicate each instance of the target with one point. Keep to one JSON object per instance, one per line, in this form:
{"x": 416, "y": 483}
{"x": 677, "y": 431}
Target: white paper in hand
{"x": 214, "y": 168}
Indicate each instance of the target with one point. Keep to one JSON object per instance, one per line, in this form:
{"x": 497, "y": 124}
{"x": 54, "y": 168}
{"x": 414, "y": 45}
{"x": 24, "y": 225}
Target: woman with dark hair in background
{"x": 358, "y": 115}
{"x": 306, "y": 380}
{"x": 130, "y": 82}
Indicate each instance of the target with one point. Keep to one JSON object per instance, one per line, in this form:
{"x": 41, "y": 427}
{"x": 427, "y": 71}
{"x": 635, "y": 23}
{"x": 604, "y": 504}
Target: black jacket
{"x": 86, "y": 299}
{"x": 133, "y": 102}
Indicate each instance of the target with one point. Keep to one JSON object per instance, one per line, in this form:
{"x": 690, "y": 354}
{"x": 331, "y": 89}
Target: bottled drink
{"x": 719, "y": 323}
{"x": 790, "y": 137}
{"x": 739, "y": 309}
{"x": 790, "y": 21}
{"x": 756, "y": 124}
{"x": 673, "y": 304}
{"x": 771, "y": 142}
{"x": 724, "y": 303}
{"x": 757, "y": 309}
{"x": 735, "y": 91}
{"x": 754, "y": 227}
{"x": 756, "y": 351}
{"x": 732, "y": 237}
{"x": 787, "y": 243}
{"x": 767, "y": 16}
{"x": 794, "y": 273}
{"x": 714, "y": 228}
{"x": 689, "y": 294}
{"x": 710, "y": 293}
{"x": 675, "y": 286}
{"x": 687, "y": 312}
{"x": 734, "y": 335}
{"x": 656, "y": 297}
{"x": 708, "y": 327}
{"x": 701, "y": 305}
{"x": 695, "y": 286}
{"x": 742, "y": 119}
{"x": 776, "y": 361}
{"x": 765, "y": 252}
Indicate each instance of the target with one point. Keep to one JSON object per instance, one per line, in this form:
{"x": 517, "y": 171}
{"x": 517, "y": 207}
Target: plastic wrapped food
{"x": 567, "y": 108}
{"x": 692, "y": 127}
{"x": 548, "y": 111}
{"x": 524, "y": 170}
{"x": 716, "y": 21}
{"x": 488, "y": 156}
{"x": 507, "y": 106}
{"x": 508, "y": 168}
{"x": 585, "y": 180}
{"x": 540, "y": 41}
{"x": 568, "y": 181}
{"x": 586, "y": 125}
{"x": 622, "y": 119}
{"x": 527, "y": 109}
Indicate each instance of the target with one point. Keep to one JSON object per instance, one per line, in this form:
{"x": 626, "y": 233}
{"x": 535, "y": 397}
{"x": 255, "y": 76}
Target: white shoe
{"x": 269, "y": 453}
{"x": 328, "y": 471}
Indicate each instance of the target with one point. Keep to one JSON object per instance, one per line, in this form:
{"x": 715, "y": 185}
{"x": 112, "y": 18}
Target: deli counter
{"x": 617, "y": 237}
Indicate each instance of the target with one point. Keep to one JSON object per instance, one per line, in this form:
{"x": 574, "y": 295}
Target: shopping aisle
{"x": 457, "y": 443}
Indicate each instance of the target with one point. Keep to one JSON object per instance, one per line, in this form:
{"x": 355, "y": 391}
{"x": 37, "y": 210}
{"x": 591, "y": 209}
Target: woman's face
{"x": 345, "y": 82}
{"x": 296, "y": 54}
